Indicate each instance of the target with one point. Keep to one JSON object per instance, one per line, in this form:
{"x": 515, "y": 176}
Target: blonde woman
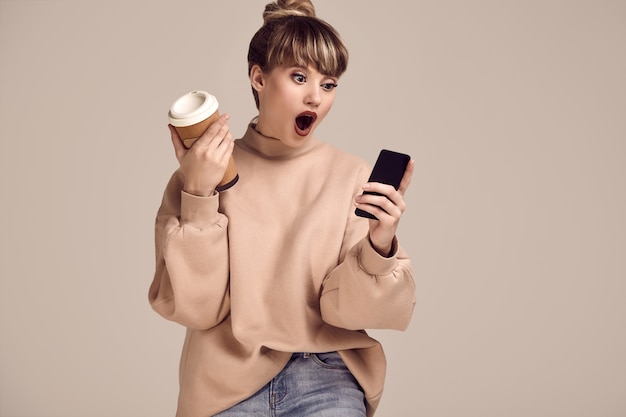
{"x": 276, "y": 278}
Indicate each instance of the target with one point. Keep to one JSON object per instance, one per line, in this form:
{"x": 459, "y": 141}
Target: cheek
{"x": 289, "y": 97}
{"x": 273, "y": 103}
{"x": 278, "y": 101}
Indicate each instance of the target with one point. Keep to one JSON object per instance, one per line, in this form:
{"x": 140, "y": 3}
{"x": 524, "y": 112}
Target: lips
{"x": 304, "y": 122}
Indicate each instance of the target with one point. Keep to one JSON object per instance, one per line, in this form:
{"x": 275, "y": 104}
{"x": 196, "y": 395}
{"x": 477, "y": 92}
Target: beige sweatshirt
{"x": 277, "y": 264}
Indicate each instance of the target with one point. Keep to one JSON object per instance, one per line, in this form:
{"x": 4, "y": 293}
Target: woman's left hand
{"x": 388, "y": 208}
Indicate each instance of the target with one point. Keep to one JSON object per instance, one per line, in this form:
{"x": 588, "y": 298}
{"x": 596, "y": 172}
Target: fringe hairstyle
{"x": 293, "y": 36}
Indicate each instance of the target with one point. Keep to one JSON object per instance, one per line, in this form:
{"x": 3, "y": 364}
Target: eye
{"x": 299, "y": 78}
{"x": 329, "y": 86}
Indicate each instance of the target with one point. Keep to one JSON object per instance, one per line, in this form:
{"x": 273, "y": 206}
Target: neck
{"x": 273, "y": 148}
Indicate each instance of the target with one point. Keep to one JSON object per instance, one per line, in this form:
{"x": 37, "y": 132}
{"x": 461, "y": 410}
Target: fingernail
{"x": 366, "y": 186}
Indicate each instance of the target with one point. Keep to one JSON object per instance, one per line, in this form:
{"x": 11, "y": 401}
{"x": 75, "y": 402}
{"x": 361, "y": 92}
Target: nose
{"x": 313, "y": 96}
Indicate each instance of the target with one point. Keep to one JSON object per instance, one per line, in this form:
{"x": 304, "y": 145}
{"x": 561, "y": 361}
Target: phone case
{"x": 388, "y": 169}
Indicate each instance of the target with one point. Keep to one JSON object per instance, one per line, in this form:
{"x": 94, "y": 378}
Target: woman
{"x": 276, "y": 278}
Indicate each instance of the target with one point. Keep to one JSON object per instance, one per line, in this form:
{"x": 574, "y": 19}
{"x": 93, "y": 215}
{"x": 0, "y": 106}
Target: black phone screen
{"x": 388, "y": 169}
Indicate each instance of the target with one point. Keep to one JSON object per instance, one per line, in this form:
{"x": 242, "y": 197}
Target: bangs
{"x": 303, "y": 41}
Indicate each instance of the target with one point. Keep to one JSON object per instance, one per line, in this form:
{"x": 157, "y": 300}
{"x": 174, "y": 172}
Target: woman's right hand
{"x": 203, "y": 165}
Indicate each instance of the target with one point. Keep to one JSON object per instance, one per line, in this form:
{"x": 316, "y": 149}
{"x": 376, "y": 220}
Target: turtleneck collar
{"x": 272, "y": 148}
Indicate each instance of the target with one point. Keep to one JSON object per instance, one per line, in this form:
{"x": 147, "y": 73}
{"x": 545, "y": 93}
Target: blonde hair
{"x": 292, "y": 35}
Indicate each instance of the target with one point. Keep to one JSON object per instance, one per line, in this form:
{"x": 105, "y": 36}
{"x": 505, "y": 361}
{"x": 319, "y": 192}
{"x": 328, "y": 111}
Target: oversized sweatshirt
{"x": 277, "y": 264}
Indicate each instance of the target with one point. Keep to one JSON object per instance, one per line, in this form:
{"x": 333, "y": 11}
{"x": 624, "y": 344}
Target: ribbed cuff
{"x": 199, "y": 211}
{"x": 372, "y": 262}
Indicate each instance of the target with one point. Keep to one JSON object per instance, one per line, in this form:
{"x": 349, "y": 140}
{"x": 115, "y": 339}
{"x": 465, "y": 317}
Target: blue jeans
{"x": 311, "y": 385}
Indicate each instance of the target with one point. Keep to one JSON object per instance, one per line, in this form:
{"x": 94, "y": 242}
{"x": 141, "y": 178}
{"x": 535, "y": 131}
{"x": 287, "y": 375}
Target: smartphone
{"x": 388, "y": 169}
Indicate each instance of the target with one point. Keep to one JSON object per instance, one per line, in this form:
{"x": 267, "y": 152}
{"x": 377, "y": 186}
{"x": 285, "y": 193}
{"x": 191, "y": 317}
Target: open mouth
{"x": 304, "y": 122}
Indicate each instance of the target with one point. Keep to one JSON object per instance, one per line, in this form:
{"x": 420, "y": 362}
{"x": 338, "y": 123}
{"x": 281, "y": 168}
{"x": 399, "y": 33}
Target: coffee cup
{"x": 191, "y": 115}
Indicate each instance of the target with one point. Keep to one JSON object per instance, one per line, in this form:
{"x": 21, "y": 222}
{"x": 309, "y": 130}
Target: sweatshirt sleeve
{"x": 367, "y": 290}
{"x": 190, "y": 284}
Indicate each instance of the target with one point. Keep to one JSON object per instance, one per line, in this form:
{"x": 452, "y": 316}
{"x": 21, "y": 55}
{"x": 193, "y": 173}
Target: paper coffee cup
{"x": 191, "y": 115}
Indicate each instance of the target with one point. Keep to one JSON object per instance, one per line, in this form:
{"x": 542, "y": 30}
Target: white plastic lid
{"x": 192, "y": 108}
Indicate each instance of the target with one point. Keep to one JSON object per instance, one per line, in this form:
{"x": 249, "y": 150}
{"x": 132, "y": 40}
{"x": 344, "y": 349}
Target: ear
{"x": 257, "y": 78}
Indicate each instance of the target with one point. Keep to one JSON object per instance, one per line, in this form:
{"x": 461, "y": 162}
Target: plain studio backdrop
{"x": 515, "y": 112}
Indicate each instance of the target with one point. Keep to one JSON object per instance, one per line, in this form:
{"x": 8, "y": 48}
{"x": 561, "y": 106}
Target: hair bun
{"x": 282, "y": 8}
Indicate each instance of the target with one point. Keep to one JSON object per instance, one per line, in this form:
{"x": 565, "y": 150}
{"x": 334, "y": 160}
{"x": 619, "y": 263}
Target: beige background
{"x": 514, "y": 110}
